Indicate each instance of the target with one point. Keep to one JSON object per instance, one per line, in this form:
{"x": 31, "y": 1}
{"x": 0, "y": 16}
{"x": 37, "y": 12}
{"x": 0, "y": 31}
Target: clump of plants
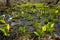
{"x": 46, "y": 29}
{"x": 5, "y": 29}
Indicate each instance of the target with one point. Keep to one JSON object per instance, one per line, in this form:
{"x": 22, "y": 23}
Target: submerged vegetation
{"x": 34, "y": 21}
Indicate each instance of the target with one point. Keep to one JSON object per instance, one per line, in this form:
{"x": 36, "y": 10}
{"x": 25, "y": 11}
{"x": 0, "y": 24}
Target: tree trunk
{"x": 7, "y": 3}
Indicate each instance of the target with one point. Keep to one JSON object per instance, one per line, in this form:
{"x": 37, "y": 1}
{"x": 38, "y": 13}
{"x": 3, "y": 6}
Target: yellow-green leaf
{"x": 44, "y": 28}
{"x": 52, "y": 25}
{"x": 56, "y": 11}
{"x": 7, "y": 26}
{"x": 2, "y": 21}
